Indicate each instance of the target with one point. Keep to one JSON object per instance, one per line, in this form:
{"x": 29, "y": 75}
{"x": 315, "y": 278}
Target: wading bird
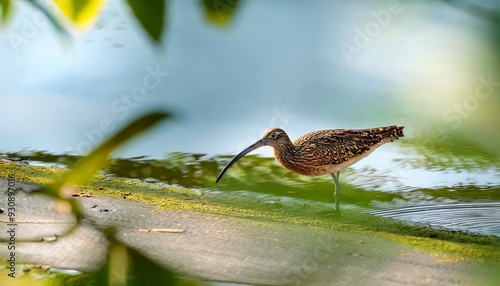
{"x": 322, "y": 152}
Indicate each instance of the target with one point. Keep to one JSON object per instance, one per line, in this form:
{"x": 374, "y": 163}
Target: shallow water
{"x": 480, "y": 217}
{"x": 451, "y": 200}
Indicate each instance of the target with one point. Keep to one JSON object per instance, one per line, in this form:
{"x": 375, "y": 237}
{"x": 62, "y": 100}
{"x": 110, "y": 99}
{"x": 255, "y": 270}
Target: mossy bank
{"x": 450, "y": 245}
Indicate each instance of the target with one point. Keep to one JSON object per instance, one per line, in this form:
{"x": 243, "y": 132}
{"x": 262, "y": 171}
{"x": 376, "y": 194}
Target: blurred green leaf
{"x": 59, "y": 28}
{"x": 141, "y": 270}
{"x": 128, "y": 267}
{"x": 98, "y": 159}
{"x": 83, "y": 13}
{"x": 85, "y": 169}
{"x": 151, "y": 15}
{"x": 5, "y": 6}
{"x": 220, "y": 12}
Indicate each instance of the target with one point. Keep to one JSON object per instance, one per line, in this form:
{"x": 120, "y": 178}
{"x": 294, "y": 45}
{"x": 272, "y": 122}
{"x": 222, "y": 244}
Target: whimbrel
{"x": 322, "y": 152}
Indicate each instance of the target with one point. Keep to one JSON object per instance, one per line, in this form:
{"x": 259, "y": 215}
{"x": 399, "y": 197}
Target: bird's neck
{"x": 284, "y": 154}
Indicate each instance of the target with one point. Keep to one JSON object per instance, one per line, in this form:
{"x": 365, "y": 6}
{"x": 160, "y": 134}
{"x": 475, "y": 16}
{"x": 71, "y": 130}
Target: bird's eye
{"x": 273, "y": 135}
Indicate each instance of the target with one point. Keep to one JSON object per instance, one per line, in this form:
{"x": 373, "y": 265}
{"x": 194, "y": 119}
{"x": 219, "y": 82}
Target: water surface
{"x": 445, "y": 203}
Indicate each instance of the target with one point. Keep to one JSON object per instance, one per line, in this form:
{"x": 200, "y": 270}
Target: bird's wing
{"x": 339, "y": 145}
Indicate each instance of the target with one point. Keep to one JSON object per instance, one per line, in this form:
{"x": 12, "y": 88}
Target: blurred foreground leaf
{"x": 84, "y": 170}
{"x": 5, "y": 6}
{"x": 129, "y": 267}
{"x": 220, "y": 12}
{"x": 81, "y": 12}
{"x": 151, "y": 15}
{"x": 55, "y": 23}
{"x": 124, "y": 267}
{"x": 98, "y": 158}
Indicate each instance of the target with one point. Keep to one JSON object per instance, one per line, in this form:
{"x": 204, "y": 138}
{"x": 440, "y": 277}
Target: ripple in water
{"x": 478, "y": 217}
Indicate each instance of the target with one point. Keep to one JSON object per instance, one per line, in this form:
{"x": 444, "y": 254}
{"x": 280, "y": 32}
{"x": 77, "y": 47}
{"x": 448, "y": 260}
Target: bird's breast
{"x": 302, "y": 164}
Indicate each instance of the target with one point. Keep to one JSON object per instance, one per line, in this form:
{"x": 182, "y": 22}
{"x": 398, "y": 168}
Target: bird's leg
{"x": 337, "y": 192}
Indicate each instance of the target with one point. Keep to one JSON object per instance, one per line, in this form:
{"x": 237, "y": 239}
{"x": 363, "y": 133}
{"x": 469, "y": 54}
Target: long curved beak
{"x": 258, "y": 144}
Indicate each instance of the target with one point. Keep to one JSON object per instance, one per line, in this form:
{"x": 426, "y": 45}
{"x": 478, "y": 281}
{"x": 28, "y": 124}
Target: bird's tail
{"x": 394, "y": 132}
{"x": 399, "y": 131}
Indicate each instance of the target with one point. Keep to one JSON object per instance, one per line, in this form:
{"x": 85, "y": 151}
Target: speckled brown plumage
{"x": 328, "y": 151}
{"x": 322, "y": 152}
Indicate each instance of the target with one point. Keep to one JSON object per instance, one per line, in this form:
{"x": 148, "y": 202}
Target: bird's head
{"x": 272, "y": 137}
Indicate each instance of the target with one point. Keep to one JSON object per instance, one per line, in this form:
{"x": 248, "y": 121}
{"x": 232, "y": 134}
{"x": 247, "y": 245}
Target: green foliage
{"x": 151, "y": 15}
{"x": 81, "y": 12}
{"x": 126, "y": 266}
{"x": 98, "y": 159}
{"x": 129, "y": 267}
{"x": 88, "y": 166}
{"x": 220, "y": 12}
{"x": 53, "y": 21}
{"x": 84, "y": 13}
{"x": 4, "y": 9}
